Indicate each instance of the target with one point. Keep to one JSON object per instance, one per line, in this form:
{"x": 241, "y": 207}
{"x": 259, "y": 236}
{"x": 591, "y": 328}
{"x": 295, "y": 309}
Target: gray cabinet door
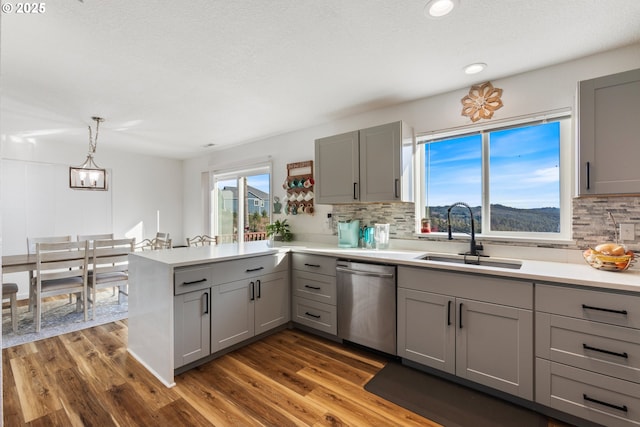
{"x": 380, "y": 163}
{"x": 337, "y": 169}
{"x": 273, "y": 302}
{"x": 192, "y": 325}
{"x": 609, "y": 134}
{"x": 426, "y": 329}
{"x": 495, "y": 346}
{"x": 232, "y": 316}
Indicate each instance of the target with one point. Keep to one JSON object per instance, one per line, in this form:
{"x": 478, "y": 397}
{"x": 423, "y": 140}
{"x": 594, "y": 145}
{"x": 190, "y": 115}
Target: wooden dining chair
{"x": 110, "y": 267}
{"x": 31, "y": 250}
{"x": 61, "y": 268}
{"x": 203, "y": 240}
{"x": 162, "y": 241}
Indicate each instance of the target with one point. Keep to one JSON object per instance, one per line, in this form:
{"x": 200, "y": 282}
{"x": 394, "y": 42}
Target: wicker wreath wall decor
{"x": 481, "y": 102}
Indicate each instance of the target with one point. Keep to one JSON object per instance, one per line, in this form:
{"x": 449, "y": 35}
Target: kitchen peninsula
{"x": 187, "y": 304}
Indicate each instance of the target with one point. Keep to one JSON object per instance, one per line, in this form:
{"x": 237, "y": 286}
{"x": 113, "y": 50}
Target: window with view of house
{"x": 515, "y": 178}
{"x": 240, "y": 204}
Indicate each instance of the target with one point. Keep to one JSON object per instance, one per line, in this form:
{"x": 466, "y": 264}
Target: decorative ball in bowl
{"x": 609, "y": 257}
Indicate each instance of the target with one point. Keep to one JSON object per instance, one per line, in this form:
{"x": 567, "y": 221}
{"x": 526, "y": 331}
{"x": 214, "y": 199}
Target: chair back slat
{"x": 92, "y": 237}
{"x": 32, "y": 241}
{"x": 61, "y": 260}
{"x": 112, "y": 255}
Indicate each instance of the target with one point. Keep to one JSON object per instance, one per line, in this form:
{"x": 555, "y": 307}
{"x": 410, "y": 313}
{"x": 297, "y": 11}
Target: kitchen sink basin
{"x": 474, "y": 260}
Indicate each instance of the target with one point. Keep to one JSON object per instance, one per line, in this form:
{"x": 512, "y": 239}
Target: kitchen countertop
{"x": 536, "y": 271}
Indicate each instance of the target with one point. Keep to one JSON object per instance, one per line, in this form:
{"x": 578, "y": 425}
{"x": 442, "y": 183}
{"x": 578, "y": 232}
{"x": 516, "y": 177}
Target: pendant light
{"x": 89, "y": 176}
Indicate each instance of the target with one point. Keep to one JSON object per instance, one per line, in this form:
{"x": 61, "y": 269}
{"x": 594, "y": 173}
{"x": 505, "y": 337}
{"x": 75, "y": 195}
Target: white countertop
{"x": 536, "y": 271}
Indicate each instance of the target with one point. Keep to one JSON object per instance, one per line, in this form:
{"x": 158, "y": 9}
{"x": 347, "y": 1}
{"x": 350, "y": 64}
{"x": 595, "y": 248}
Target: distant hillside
{"x": 503, "y": 218}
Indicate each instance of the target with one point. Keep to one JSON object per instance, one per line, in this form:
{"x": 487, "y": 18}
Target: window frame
{"x": 566, "y": 175}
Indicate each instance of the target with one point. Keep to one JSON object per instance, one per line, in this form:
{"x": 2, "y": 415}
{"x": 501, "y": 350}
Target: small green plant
{"x": 280, "y": 231}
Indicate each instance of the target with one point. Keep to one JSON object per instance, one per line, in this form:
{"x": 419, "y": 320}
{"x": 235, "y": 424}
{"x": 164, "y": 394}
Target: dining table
{"x": 18, "y": 263}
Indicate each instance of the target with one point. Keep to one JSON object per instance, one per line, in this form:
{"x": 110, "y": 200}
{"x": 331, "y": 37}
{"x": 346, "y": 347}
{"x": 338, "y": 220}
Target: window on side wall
{"x": 516, "y": 179}
{"x": 240, "y": 204}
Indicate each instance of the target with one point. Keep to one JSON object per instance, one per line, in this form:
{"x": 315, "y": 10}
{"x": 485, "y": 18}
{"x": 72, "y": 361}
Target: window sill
{"x": 481, "y": 238}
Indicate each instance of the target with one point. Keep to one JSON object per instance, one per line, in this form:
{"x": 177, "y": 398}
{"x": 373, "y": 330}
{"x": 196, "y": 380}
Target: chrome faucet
{"x": 474, "y": 248}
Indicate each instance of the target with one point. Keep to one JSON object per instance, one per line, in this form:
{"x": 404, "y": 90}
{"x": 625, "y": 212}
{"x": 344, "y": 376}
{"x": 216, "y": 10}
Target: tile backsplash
{"x": 590, "y": 219}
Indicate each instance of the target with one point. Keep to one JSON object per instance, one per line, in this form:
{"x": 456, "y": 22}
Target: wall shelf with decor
{"x": 299, "y": 185}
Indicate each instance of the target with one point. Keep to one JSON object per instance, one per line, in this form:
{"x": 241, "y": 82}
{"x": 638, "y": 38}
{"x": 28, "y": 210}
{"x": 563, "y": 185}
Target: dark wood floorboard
{"x": 87, "y": 378}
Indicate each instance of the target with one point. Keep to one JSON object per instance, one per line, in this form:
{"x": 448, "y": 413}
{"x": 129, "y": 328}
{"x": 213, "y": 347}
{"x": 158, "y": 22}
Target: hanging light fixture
{"x": 89, "y": 176}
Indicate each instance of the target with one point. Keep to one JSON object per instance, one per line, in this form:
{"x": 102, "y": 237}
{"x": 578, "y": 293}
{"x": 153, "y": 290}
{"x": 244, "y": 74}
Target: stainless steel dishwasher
{"x": 367, "y": 304}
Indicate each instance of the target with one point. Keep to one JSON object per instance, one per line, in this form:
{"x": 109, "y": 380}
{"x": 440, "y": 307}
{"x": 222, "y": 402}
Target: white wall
{"x": 140, "y": 187}
{"x": 536, "y": 91}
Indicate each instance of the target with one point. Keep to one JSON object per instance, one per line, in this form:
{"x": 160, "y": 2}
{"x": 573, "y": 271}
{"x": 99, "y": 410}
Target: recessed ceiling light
{"x": 475, "y": 68}
{"x": 439, "y": 8}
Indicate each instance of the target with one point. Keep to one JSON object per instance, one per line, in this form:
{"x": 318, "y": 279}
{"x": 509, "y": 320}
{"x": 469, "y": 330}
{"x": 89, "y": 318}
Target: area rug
{"x": 59, "y": 317}
{"x": 447, "y": 403}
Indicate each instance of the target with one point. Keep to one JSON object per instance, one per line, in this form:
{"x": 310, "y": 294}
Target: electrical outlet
{"x": 627, "y": 232}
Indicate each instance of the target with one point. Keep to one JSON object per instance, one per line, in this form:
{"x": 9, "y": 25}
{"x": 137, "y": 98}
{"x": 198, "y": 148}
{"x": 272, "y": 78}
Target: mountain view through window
{"x": 522, "y": 180}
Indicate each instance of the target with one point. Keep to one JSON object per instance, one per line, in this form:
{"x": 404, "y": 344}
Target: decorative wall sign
{"x": 481, "y": 102}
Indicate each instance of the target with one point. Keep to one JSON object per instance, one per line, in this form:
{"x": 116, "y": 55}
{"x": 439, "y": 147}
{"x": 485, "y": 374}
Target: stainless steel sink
{"x": 473, "y": 260}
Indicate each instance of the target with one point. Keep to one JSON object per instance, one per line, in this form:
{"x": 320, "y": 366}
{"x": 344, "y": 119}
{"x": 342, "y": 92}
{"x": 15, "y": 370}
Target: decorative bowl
{"x": 609, "y": 257}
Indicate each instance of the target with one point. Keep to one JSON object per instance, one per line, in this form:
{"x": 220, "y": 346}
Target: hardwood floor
{"x": 86, "y": 378}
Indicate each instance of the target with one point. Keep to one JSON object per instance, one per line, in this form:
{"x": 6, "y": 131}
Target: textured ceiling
{"x": 170, "y": 77}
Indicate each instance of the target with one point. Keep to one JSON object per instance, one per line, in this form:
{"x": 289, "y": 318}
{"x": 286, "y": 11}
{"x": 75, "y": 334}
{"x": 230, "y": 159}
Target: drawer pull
{"x": 316, "y": 316}
{"x": 312, "y": 265}
{"x": 249, "y": 270}
{"x": 315, "y": 288}
{"x": 613, "y": 353}
{"x": 194, "y": 282}
{"x": 608, "y": 310}
{"x": 622, "y": 408}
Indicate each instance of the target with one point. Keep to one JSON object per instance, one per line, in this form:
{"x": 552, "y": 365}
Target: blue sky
{"x": 524, "y": 168}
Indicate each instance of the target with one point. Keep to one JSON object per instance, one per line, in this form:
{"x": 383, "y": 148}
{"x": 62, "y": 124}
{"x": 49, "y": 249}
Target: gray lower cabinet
{"x": 588, "y": 353}
{"x": 249, "y": 307}
{"x": 476, "y": 327}
{"x": 192, "y": 314}
{"x": 212, "y": 311}
{"x": 314, "y": 292}
{"x": 192, "y": 326}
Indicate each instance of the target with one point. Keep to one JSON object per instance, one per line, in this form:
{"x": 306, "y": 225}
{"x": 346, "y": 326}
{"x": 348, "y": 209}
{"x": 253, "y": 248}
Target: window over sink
{"x": 515, "y": 176}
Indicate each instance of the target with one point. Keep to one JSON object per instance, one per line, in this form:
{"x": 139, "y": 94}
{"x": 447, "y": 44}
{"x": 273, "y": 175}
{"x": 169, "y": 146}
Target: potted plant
{"x": 279, "y": 231}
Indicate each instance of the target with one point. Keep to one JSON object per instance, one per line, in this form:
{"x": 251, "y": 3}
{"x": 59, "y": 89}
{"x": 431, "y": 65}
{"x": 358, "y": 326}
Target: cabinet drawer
{"x": 191, "y": 279}
{"x": 244, "y": 268}
{"x": 314, "y": 263}
{"x": 599, "y": 347}
{"x": 472, "y": 286}
{"x": 317, "y": 287}
{"x": 317, "y": 315}
{"x": 595, "y": 397}
{"x": 606, "y": 307}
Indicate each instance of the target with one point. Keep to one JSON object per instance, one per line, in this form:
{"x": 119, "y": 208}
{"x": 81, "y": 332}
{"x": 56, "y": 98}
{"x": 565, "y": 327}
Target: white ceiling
{"x": 172, "y": 76}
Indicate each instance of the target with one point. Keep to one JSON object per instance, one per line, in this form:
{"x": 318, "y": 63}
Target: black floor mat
{"x": 447, "y": 403}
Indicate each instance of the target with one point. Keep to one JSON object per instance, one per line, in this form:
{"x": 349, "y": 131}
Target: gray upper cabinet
{"x": 369, "y": 165}
{"x": 609, "y": 134}
{"x": 337, "y": 168}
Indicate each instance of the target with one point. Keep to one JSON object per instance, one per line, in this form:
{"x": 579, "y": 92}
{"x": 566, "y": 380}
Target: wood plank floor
{"x": 86, "y": 378}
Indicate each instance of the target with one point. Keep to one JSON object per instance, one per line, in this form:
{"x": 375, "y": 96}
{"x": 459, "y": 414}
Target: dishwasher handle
{"x": 364, "y": 273}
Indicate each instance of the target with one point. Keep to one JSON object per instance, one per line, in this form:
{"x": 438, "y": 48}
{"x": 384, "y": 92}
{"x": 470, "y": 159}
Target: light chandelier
{"x": 89, "y": 176}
